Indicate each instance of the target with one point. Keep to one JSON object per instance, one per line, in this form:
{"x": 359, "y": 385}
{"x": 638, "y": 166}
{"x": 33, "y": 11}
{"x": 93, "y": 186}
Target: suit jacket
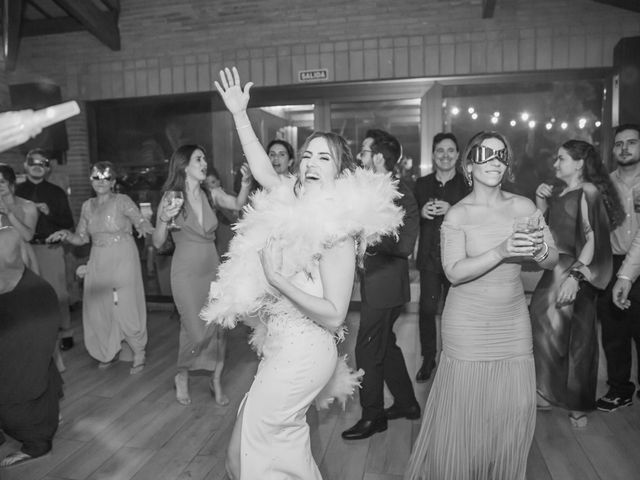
{"x": 453, "y": 191}
{"x": 385, "y": 280}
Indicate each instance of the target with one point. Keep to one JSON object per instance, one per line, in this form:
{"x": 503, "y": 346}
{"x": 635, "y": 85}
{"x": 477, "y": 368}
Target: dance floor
{"x": 117, "y": 426}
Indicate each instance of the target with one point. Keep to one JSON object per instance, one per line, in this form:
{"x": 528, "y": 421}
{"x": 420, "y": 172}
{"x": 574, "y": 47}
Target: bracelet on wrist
{"x": 162, "y": 219}
{"x": 577, "y": 275}
{"x": 540, "y": 196}
{"x": 542, "y": 256}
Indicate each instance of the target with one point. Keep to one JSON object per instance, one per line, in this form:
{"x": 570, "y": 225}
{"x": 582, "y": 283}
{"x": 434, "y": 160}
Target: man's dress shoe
{"x": 395, "y": 411}
{"x": 365, "y": 428}
{"x": 66, "y": 343}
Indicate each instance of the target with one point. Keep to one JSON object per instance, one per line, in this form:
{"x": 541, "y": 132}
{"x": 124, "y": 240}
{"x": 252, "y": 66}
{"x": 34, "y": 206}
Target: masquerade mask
{"x": 481, "y": 155}
{"x": 41, "y": 162}
{"x": 105, "y": 174}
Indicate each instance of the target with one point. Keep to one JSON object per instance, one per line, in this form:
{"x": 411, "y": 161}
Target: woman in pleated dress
{"x": 480, "y": 414}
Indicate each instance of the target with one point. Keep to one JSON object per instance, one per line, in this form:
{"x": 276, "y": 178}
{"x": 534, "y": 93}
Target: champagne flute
{"x": 174, "y": 198}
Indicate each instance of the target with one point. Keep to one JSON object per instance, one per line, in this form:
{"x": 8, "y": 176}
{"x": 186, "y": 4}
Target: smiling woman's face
{"x": 318, "y": 167}
{"x": 489, "y": 173}
{"x": 5, "y": 186}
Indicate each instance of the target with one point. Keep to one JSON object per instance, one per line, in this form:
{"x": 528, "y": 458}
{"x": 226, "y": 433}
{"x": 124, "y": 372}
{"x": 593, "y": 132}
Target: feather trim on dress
{"x": 361, "y": 206}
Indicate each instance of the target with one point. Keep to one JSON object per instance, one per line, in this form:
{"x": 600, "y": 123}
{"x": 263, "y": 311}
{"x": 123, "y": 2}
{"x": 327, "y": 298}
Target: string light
{"x": 494, "y": 120}
{"x": 598, "y": 123}
{"x": 471, "y": 110}
{"x": 512, "y": 123}
{"x": 564, "y": 125}
{"x": 496, "y": 114}
{"x": 474, "y": 115}
{"x": 582, "y": 122}
{"x": 524, "y": 116}
{"x": 548, "y": 125}
{"x": 455, "y": 111}
{"x": 532, "y": 124}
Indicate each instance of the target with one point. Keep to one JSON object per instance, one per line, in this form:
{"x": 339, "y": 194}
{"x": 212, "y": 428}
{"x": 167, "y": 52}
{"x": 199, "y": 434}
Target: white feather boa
{"x": 361, "y": 205}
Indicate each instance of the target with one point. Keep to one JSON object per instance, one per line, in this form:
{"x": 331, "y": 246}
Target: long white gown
{"x": 299, "y": 358}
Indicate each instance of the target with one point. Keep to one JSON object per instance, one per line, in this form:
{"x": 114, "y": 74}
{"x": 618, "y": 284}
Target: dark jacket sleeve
{"x": 60, "y": 214}
{"x": 402, "y": 246}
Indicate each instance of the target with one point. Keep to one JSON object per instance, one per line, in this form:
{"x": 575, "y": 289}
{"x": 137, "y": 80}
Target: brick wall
{"x": 178, "y": 46}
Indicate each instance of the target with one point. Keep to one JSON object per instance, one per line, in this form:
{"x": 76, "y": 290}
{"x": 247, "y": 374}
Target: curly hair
{"x": 596, "y": 173}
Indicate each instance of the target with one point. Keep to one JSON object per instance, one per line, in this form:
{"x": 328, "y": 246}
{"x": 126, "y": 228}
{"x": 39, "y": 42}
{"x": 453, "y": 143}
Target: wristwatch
{"x": 577, "y": 274}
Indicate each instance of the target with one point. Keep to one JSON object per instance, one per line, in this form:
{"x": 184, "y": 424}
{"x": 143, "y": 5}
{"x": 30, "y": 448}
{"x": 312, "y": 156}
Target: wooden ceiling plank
{"x": 632, "y": 5}
{"x": 488, "y": 8}
{"x": 11, "y": 20}
{"x": 103, "y": 25}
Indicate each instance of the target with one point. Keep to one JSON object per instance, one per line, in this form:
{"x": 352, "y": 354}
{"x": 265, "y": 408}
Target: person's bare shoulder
{"x": 520, "y": 205}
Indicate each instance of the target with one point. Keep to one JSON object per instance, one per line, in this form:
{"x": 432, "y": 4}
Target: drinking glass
{"x": 526, "y": 224}
{"x": 174, "y": 199}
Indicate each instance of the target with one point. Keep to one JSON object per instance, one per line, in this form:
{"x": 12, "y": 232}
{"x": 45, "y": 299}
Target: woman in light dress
{"x": 114, "y": 314}
{"x": 480, "y": 414}
{"x": 292, "y": 262}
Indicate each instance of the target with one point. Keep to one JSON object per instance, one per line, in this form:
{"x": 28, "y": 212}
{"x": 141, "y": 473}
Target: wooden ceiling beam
{"x": 11, "y": 20}
{"x": 102, "y": 25}
{"x": 633, "y": 5}
{"x": 34, "y": 28}
{"x": 488, "y": 8}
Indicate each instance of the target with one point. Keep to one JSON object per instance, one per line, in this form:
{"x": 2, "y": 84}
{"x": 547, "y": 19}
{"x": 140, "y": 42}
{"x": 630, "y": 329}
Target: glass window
{"x": 535, "y": 117}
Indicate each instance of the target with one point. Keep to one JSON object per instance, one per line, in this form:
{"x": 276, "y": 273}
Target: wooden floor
{"x": 116, "y": 426}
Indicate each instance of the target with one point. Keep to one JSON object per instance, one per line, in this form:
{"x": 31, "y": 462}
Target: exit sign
{"x": 316, "y": 75}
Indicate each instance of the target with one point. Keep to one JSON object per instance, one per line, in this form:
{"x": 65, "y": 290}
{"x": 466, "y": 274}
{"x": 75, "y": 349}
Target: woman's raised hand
{"x": 235, "y": 98}
{"x": 247, "y": 177}
{"x": 59, "y": 236}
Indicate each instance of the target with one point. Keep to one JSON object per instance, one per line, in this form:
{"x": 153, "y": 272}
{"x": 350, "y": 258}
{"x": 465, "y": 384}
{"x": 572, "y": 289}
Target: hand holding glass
{"x": 528, "y": 226}
{"x": 173, "y": 200}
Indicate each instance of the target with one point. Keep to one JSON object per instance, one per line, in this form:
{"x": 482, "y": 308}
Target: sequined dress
{"x": 113, "y": 307}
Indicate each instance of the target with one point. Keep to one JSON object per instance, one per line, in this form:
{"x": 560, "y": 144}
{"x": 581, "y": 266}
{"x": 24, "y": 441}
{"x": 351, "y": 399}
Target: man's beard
{"x": 627, "y": 163}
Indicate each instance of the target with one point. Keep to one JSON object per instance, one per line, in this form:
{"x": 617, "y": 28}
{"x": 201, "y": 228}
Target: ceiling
{"x": 27, "y": 18}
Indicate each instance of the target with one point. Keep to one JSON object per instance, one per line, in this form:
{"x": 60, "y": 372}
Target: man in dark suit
{"x": 435, "y": 193}
{"x": 384, "y": 289}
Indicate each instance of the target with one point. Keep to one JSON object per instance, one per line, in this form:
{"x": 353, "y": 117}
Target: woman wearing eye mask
{"x": 480, "y": 414}
{"x": 582, "y": 209}
{"x": 113, "y": 305}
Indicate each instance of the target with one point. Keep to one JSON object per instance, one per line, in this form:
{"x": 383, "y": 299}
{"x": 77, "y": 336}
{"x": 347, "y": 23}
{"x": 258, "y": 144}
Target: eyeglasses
{"x": 40, "y": 162}
{"x": 97, "y": 178}
{"x": 481, "y": 155}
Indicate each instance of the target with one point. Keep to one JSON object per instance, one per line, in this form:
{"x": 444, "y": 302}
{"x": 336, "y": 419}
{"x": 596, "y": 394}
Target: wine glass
{"x": 174, "y": 199}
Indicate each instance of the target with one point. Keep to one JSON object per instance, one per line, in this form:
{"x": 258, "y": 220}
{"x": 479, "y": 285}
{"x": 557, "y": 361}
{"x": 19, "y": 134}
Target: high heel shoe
{"x": 216, "y": 393}
{"x": 182, "y": 389}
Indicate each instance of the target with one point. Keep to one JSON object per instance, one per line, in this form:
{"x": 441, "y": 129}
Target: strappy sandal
{"x": 579, "y": 420}
{"x": 14, "y": 459}
{"x": 181, "y": 384}
{"x": 138, "y": 364}
{"x": 105, "y": 365}
{"x": 218, "y": 396}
